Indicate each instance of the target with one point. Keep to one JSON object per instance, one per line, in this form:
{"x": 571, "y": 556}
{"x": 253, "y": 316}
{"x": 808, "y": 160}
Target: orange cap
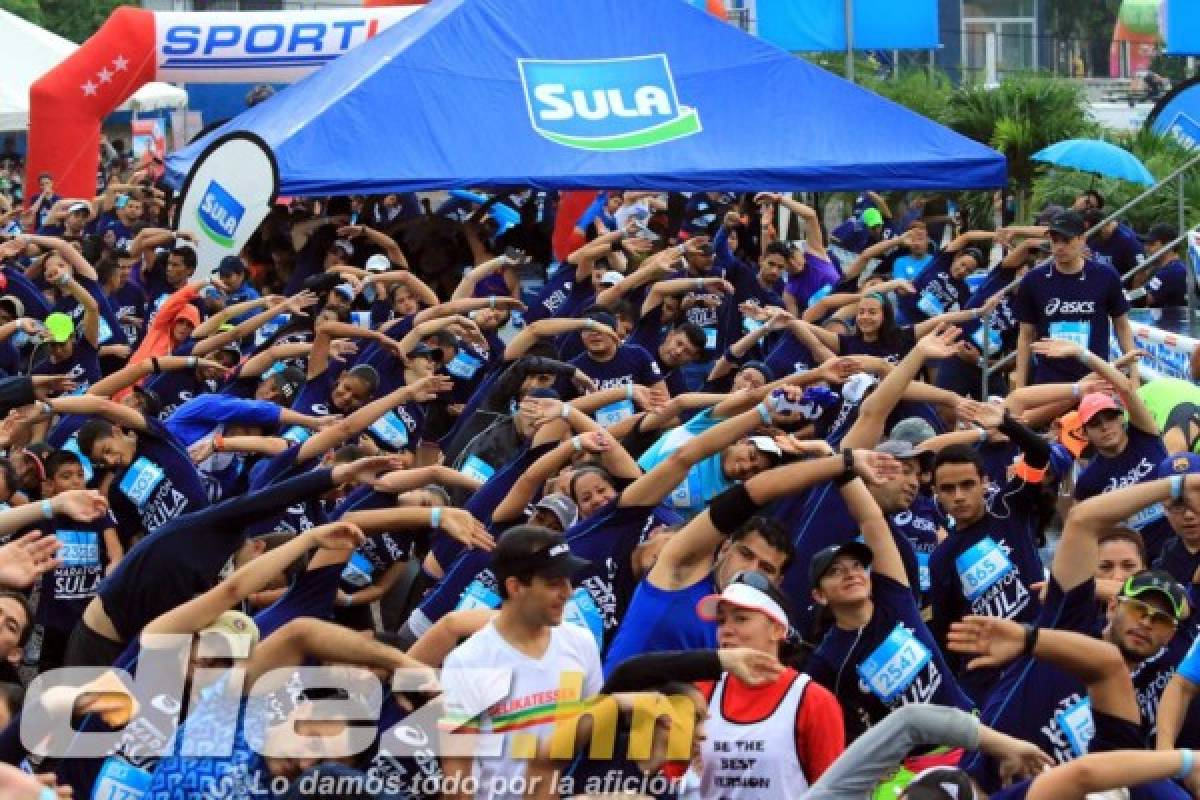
{"x": 1071, "y": 433}
{"x": 189, "y": 313}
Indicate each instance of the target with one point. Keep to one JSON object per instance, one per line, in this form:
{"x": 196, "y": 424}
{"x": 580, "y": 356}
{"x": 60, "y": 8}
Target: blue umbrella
{"x": 1098, "y": 157}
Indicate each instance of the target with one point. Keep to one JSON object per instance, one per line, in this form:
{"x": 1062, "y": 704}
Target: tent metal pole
{"x": 984, "y": 361}
{"x": 1187, "y": 258}
{"x": 850, "y": 40}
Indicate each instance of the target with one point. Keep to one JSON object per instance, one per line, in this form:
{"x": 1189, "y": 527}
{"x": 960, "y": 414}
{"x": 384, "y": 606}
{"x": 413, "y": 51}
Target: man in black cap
{"x": 511, "y": 677}
{"x": 1167, "y": 284}
{"x": 1074, "y": 298}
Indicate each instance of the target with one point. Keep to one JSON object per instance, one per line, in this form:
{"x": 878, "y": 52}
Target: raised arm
{"x": 995, "y": 642}
{"x": 200, "y": 612}
{"x": 875, "y": 530}
{"x": 340, "y": 432}
{"x": 90, "y": 325}
{"x": 425, "y": 296}
{"x": 130, "y": 374}
{"x": 466, "y": 287}
{"x": 116, "y": 413}
{"x": 1139, "y": 415}
{"x": 261, "y": 362}
{"x": 1078, "y": 550}
{"x": 294, "y": 305}
{"x": 1172, "y": 709}
{"x": 326, "y": 331}
{"x": 466, "y": 305}
{"x": 552, "y": 326}
{"x": 872, "y": 416}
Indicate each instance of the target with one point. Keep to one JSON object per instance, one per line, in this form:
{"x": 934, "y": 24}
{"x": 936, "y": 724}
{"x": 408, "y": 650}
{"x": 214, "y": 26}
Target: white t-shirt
{"x": 490, "y": 687}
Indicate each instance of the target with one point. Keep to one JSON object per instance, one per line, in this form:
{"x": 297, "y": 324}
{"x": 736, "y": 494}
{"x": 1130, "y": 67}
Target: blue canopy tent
{"x": 653, "y": 94}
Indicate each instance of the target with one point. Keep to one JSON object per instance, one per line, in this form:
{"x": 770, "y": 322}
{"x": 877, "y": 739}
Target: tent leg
{"x": 850, "y": 40}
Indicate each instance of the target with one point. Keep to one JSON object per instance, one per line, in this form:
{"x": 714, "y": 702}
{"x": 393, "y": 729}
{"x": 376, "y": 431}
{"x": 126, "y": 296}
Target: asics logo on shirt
{"x": 1057, "y": 306}
{"x": 1132, "y": 477}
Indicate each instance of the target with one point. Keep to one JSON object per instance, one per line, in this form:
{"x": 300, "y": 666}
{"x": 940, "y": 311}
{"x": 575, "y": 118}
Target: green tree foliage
{"x": 72, "y": 19}
{"x": 26, "y": 9}
{"x": 1019, "y": 118}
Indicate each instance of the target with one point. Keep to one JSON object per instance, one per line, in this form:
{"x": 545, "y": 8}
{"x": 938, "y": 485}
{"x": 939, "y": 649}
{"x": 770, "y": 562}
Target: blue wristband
{"x": 763, "y": 412}
{"x": 435, "y": 517}
{"x": 1189, "y": 762}
{"x": 47, "y": 509}
{"x": 1176, "y": 482}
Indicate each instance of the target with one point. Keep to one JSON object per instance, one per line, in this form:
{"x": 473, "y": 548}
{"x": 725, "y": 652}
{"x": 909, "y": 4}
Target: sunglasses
{"x": 1172, "y": 591}
{"x": 1143, "y": 612}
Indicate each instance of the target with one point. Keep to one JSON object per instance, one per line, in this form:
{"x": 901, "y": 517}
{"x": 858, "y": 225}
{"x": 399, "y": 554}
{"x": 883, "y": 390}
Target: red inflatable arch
{"x": 134, "y": 47}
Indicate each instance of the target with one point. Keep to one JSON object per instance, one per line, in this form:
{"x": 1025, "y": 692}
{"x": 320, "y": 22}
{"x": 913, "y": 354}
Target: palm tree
{"x": 1019, "y": 118}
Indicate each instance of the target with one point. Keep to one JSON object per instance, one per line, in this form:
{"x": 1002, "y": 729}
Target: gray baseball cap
{"x": 913, "y": 430}
{"x": 562, "y": 507}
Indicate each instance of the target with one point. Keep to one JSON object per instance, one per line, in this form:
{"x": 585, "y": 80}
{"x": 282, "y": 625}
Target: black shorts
{"x": 86, "y": 648}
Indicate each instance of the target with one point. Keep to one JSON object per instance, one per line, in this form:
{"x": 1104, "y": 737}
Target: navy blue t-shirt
{"x": 987, "y": 569}
{"x": 129, "y": 303}
{"x": 630, "y": 365}
{"x": 1077, "y": 308}
{"x": 66, "y": 590}
{"x": 1176, "y": 560}
{"x": 919, "y": 525}
{"x": 83, "y": 366}
{"x": 109, "y": 325}
{"x": 300, "y": 516}
{"x": 1120, "y": 251}
{"x": 1136, "y": 464}
{"x": 892, "y": 661}
{"x": 1168, "y": 287}
{"x": 938, "y": 291}
{"x": 892, "y": 350}
{"x": 561, "y": 296}
{"x": 1037, "y": 702}
{"x": 159, "y": 485}
{"x": 108, "y": 221}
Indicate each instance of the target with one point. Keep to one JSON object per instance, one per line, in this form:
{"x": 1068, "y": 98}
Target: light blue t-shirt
{"x": 908, "y": 267}
{"x": 1190, "y": 668}
{"x": 704, "y": 481}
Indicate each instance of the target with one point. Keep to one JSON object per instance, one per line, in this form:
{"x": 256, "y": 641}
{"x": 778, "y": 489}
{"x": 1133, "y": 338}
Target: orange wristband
{"x": 218, "y": 442}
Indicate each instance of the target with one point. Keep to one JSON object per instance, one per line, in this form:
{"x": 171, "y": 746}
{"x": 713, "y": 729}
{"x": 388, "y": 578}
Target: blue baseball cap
{"x": 1179, "y": 464}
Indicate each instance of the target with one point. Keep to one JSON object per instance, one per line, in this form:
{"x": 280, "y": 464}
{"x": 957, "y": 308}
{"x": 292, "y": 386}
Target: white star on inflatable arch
{"x": 120, "y": 63}
{"x": 89, "y": 88}
{"x": 104, "y": 75}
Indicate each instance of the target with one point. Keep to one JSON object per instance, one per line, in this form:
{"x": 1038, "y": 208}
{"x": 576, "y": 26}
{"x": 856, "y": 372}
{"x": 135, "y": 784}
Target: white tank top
{"x": 755, "y": 760}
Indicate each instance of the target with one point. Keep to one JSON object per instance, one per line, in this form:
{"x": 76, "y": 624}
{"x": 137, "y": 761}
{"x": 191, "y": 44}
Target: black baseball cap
{"x": 1157, "y": 581}
{"x": 941, "y": 783}
{"x": 824, "y": 559}
{"x": 526, "y": 551}
{"x": 1162, "y": 233}
{"x": 423, "y": 350}
{"x": 231, "y": 265}
{"x": 602, "y": 316}
{"x": 1068, "y": 223}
